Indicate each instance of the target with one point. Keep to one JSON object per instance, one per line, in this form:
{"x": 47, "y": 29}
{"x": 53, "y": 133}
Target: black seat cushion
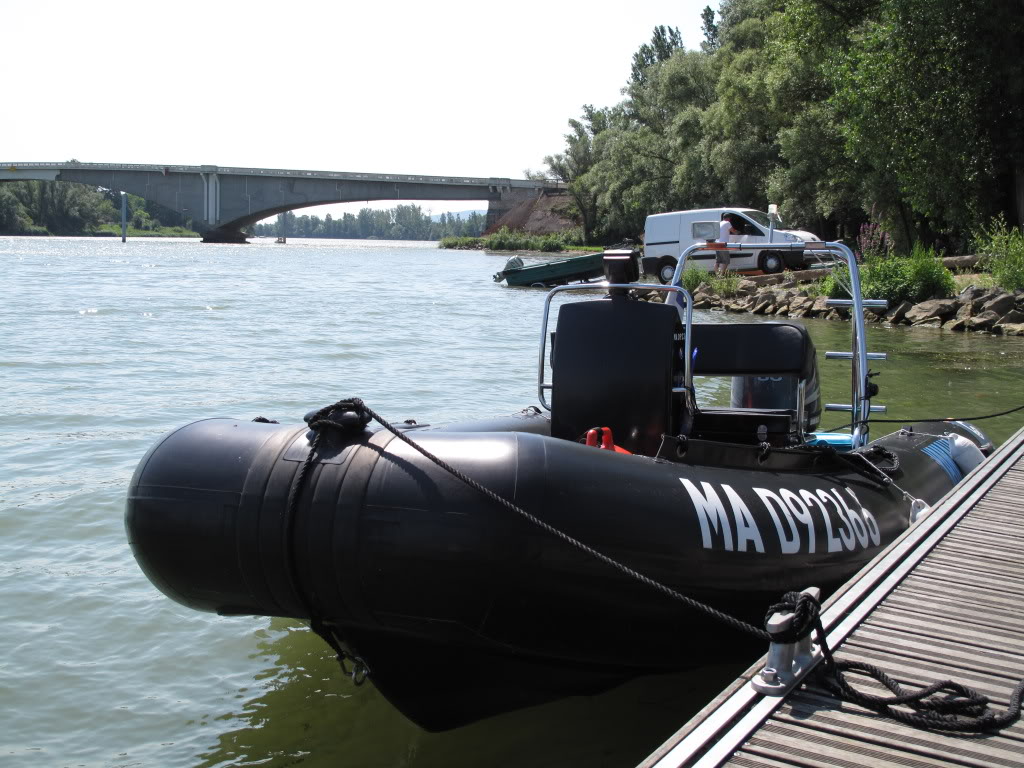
{"x": 752, "y": 348}
{"x": 613, "y": 367}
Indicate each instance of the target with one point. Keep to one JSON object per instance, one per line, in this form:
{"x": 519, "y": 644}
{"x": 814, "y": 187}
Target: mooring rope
{"x": 961, "y": 709}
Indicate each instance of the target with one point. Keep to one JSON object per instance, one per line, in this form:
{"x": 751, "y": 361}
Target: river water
{"x": 104, "y": 346}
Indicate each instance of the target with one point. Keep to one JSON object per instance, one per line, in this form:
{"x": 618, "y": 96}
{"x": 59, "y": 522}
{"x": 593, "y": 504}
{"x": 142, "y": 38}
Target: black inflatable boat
{"x": 458, "y": 608}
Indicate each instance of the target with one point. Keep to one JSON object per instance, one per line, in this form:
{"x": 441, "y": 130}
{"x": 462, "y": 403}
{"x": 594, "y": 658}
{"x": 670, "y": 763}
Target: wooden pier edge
{"x": 712, "y": 735}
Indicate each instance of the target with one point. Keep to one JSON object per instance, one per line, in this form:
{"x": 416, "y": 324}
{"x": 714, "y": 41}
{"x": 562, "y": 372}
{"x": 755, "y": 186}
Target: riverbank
{"x": 975, "y": 308}
{"x": 506, "y": 239}
{"x": 480, "y": 244}
{"x": 113, "y": 230}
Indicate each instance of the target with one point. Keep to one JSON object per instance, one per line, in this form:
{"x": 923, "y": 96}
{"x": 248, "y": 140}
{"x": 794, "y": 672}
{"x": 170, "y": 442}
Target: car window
{"x": 746, "y": 227}
{"x": 758, "y": 216}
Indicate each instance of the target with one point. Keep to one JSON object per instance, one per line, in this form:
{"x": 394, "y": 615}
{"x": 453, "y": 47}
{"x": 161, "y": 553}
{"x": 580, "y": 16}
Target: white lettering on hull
{"x": 712, "y": 518}
{"x": 794, "y": 514}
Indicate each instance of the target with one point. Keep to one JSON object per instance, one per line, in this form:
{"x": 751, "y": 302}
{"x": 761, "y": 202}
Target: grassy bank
{"x": 507, "y": 240}
{"x": 114, "y": 230}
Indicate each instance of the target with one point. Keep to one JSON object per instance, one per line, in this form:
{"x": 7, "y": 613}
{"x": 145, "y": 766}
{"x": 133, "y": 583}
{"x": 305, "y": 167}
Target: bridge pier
{"x": 223, "y": 235}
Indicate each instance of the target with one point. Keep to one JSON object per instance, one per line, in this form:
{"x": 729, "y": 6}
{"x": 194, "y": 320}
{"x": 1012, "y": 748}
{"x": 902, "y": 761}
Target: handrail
{"x": 860, "y": 398}
{"x": 685, "y": 317}
{"x": 288, "y": 173}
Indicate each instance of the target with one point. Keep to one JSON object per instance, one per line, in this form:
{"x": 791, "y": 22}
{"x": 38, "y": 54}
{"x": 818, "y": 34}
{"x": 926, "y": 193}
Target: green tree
{"x": 572, "y": 165}
{"x": 711, "y": 41}
{"x": 664, "y": 42}
{"x": 14, "y": 219}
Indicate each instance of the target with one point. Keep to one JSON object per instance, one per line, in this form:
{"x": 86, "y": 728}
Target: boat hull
{"x": 558, "y": 272}
{"x": 413, "y": 569}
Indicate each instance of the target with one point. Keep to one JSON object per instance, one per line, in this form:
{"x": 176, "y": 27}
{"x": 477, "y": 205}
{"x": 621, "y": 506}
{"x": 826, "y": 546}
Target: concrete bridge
{"x": 223, "y": 202}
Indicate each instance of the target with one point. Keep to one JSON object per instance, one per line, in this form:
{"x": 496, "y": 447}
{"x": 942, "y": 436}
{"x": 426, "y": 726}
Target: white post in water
{"x": 773, "y": 216}
{"x": 124, "y": 217}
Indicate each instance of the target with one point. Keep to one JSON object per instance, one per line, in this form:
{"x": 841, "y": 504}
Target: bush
{"x": 692, "y": 278}
{"x": 725, "y": 285}
{"x": 916, "y": 278}
{"x": 873, "y": 242}
{"x": 819, "y": 287}
{"x": 462, "y": 243}
{"x": 1002, "y": 249}
{"x": 507, "y": 240}
{"x": 926, "y": 276}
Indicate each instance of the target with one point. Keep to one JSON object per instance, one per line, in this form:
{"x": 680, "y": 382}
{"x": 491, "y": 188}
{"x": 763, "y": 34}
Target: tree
{"x": 711, "y": 42}
{"x": 664, "y": 41}
{"x": 14, "y": 219}
{"x": 572, "y": 165}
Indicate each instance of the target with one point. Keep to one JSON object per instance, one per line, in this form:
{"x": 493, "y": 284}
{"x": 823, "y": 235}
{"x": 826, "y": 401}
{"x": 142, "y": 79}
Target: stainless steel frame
{"x": 860, "y": 400}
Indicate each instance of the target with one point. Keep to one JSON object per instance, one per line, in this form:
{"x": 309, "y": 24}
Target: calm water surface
{"x": 104, "y": 346}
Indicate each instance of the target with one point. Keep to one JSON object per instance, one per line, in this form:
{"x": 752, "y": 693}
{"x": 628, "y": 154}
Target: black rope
{"x": 806, "y": 612}
{"x": 960, "y": 710}
{"x": 360, "y": 670}
{"x": 862, "y": 462}
{"x": 878, "y": 453}
{"x": 914, "y": 421}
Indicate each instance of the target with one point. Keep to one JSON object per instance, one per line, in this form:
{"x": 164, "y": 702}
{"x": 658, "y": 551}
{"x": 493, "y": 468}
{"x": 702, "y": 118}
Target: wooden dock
{"x": 944, "y": 601}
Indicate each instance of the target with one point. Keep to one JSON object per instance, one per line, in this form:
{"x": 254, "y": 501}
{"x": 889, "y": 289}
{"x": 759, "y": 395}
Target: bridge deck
{"x": 10, "y": 171}
{"x": 942, "y": 602}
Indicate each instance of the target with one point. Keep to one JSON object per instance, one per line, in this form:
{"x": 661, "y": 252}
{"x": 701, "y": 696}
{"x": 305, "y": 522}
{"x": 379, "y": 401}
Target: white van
{"x": 667, "y": 235}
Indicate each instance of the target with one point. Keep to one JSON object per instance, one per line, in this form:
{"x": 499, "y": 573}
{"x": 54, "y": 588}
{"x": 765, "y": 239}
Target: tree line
{"x": 404, "y": 222}
{"x": 63, "y": 208}
{"x": 905, "y": 113}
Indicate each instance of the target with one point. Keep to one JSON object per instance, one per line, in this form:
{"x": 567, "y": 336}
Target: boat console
{"x": 628, "y": 365}
{"x": 774, "y": 387}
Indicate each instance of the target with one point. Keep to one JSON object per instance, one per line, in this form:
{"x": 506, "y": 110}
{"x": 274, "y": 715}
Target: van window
{"x": 704, "y": 230}
{"x": 758, "y": 216}
{"x": 746, "y": 227}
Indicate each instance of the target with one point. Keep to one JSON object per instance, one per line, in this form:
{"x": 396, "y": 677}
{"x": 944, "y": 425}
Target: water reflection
{"x": 307, "y": 714}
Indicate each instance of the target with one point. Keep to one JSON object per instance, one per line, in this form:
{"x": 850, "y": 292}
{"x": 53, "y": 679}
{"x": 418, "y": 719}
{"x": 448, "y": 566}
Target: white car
{"x": 667, "y": 235}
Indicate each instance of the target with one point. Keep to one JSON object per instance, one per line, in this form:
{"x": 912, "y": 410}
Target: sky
{"x": 447, "y": 88}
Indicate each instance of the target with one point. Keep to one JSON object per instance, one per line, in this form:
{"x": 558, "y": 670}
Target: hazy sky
{"x": 468, "y": 88}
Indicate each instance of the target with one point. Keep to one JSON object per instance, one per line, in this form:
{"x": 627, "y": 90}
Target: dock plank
{"x": 943, "y": 602}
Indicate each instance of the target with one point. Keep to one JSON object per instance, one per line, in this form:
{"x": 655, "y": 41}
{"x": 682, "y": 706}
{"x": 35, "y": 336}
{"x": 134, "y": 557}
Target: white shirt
{"x": 724, "y": 230}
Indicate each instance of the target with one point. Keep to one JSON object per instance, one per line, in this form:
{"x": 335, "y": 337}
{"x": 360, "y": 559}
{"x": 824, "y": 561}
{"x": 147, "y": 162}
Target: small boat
{"x": 280, "y": 240}
{"x": 549, "y": 273}
{"x": 459, "y": 605}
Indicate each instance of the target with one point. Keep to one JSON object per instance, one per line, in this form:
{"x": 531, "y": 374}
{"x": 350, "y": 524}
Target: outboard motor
{"x": 775, "y": 396}
{"x": 779, "y": 392}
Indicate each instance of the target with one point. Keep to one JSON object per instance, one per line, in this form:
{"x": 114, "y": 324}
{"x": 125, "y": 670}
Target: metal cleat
{"x": 787, "y": 663}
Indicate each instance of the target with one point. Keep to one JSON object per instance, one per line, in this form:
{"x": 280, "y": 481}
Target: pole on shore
{"x": 124, "y": 217}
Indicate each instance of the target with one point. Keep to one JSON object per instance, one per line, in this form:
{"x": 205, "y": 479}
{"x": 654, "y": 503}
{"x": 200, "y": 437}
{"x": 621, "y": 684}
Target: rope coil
{"x": 960, "y": 710}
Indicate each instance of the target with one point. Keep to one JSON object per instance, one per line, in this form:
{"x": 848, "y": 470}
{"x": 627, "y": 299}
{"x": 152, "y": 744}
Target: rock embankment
{"x": 982, "y": 310}
{"x": 545, "y": 214}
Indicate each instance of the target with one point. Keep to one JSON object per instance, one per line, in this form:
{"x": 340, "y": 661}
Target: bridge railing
{"x": 286, "y": 173}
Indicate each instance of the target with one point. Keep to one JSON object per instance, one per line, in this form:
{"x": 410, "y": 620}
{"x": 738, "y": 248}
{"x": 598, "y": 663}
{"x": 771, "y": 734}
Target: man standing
{"x": 722, "y": 256}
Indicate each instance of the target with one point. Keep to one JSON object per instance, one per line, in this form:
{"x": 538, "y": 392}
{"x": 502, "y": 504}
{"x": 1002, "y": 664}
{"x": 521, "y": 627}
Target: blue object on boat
{"x": 841, "y": 441}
